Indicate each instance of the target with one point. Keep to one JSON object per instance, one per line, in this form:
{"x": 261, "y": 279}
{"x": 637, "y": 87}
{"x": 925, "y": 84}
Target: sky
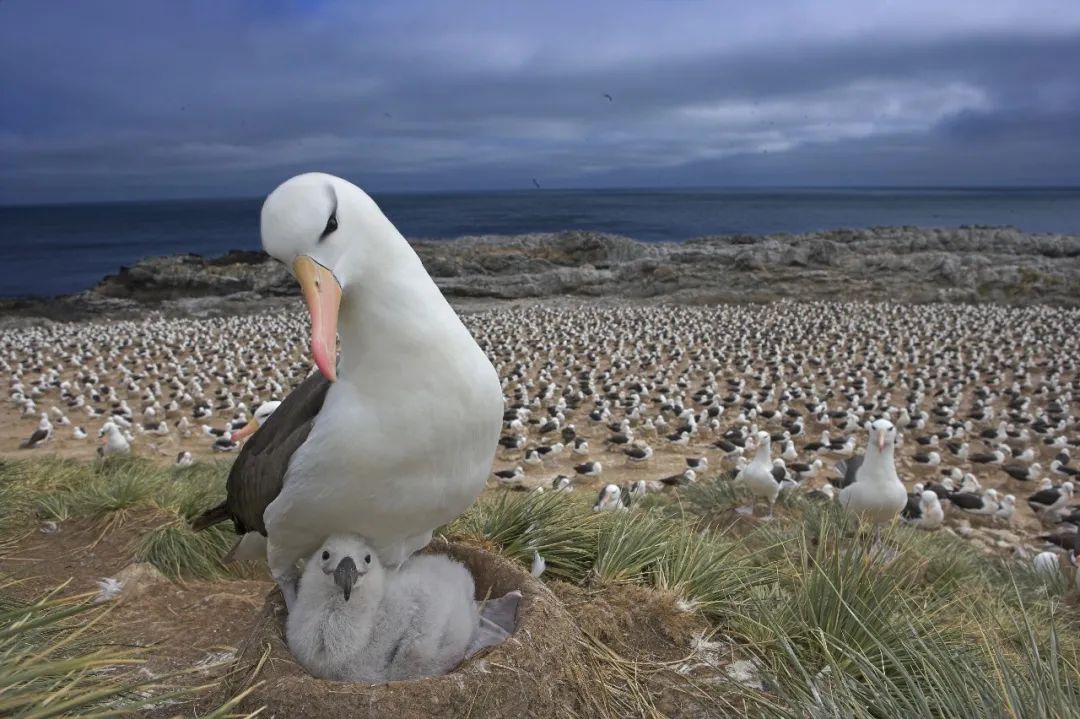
{"x": 139, "y": 99}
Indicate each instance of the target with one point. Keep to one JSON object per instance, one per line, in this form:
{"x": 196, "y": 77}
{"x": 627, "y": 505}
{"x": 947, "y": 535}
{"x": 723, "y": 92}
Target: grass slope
{"x": 831, "y": 626}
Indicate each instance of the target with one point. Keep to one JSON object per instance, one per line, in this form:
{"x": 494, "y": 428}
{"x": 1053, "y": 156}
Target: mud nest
{"x": 544, "y": 669}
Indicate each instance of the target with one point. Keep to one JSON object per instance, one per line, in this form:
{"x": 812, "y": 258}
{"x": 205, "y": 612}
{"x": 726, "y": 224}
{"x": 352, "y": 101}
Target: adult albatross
{"x": 396, "y": 437}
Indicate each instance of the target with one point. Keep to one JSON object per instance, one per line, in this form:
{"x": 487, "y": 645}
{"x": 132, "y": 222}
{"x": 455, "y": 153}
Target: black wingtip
{"x": 210, "y": 517}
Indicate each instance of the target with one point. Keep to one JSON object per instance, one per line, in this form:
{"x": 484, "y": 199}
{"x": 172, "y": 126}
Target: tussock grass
{"x": 924, "y": 627}
{"x": 515, "y": 525}
{"x": 54, "y": 663}
{"x": 111, "y": 491}
{"x": 711, "y": 573}
{"x": 178, "y": 552}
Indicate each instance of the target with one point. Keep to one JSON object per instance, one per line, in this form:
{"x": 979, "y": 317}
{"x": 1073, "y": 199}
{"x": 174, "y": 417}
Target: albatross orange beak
{"x": 322, "y": 293}
{"x": 881, "y": 440}
{"x": 247, "y": 431}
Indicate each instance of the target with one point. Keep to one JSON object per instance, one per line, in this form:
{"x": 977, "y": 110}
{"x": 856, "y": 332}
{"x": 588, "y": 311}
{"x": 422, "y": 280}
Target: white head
{"x": 928, "y": 499}
{"x": 608, "y": 498}
{"x": 332, "y": 237}
{"x": 257, "y": 420}
{"x": 344, "y": 560}
{"x": 1046, "y": 563}
{"x": 882, "y": 435}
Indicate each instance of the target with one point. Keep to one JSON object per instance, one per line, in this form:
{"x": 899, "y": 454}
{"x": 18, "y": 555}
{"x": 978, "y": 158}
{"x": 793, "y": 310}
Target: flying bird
{"x": 609, "y": 97}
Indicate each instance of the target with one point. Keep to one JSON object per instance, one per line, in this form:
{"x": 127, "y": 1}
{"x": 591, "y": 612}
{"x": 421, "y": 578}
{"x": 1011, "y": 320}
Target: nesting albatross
{"x": 343, "y": 452}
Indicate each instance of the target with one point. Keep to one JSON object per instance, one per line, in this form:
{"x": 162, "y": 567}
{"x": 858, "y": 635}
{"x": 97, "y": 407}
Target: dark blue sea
{"x": 56, "y": 249}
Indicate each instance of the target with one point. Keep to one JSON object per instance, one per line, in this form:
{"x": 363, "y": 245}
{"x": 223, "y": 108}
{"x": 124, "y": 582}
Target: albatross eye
{"x": 325, "y": 555}
{"x": 367, "y": 559}
{"x": 331, "y": 225}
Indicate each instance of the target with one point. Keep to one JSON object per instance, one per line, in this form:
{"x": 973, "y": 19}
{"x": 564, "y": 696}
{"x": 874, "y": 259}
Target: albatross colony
{"x": 987, "y": 396}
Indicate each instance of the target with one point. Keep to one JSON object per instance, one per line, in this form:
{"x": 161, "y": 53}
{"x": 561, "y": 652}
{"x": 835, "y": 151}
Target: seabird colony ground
{"x": 629, "y": 395}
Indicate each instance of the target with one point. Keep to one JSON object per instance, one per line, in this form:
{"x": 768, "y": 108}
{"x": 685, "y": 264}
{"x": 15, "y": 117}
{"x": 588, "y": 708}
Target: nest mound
{"x": 543, "y": 669}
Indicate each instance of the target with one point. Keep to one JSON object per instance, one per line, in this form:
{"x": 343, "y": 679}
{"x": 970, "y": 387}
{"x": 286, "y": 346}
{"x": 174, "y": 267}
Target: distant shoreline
{"x": 58, "y": 249}
{"x": 976, "y": 264}
{"x": 529, "y": 189}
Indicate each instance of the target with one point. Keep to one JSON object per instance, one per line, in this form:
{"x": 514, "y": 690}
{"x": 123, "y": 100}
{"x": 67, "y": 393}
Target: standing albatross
{"x": 876, "y": 494}
{"x": 345, "y": 452}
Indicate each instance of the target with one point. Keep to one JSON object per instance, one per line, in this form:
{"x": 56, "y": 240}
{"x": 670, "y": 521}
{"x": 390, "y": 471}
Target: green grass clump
{"x": 515, "y": 525}
{"x": 712, "y": 574}
{"x": 52, "y": 662}
{"x": 55, "y": 663}
{"x": 923, "y": 626}
{"x": 110, "y": 491}
{"x": 709, "y": 572}
{"x": 178, "y": 552}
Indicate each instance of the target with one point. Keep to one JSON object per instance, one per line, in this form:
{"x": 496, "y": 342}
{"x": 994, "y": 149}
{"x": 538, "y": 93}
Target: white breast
{"x": 390, "y": 463}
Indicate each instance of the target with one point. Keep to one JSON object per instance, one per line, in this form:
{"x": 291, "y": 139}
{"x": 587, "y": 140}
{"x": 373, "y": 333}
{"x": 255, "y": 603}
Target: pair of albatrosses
{"x": 392, "y": 440}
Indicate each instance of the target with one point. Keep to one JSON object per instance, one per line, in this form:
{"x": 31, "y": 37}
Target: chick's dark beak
{"x": 345, "y": 576}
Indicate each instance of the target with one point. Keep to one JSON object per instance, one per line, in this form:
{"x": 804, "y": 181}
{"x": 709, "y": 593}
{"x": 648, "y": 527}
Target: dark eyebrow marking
{"x": 331, "y": 223}
{"x": 333, "y": 200}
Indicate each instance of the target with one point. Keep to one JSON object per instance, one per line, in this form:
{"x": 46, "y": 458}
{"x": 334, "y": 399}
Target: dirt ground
{"x": 174, "y": 626}
{"x": 190, "y": 633}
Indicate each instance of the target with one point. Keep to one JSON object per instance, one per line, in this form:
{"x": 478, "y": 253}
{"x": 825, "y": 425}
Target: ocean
{"x": 47, "y": 250}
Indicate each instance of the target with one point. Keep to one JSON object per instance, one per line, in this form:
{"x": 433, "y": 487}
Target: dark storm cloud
{"x": 137, "y": 99}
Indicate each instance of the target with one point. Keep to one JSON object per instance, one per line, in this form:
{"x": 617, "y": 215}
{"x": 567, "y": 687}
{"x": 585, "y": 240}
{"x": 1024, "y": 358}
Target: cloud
{"x": 131, "y": 99}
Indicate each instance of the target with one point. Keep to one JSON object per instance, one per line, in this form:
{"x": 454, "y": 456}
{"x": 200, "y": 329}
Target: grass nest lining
{"x": 544, "y": 669}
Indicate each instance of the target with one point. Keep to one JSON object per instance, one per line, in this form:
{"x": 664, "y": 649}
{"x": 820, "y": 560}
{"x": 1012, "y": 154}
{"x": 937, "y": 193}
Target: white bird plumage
{"x": 404, "y": 354}
{"x": 355, "y": 620}
{"x": 877, "y": 494}
{"x": 757, "y": 475}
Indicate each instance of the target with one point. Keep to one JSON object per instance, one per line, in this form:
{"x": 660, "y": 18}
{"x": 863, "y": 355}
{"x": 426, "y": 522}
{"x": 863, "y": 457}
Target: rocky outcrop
{"x": 909, "y": 264}
{"x": 183, "y": 276}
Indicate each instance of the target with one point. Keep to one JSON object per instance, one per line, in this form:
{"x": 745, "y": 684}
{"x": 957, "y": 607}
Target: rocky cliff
{"x": 908, "y": 264}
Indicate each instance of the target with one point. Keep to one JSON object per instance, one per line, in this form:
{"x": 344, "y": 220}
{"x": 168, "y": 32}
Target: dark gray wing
{"x": 913, "y": 509}
{"x": 258, "y": 473}
{"x": 847, "y": 468}
{"x": 39, "y": 435}
{"x": 1044, "y": 496}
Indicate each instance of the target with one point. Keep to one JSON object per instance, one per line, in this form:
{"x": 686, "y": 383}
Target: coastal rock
{"x": 905, "y": 264}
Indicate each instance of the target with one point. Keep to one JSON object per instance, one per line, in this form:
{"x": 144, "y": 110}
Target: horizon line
{"x": 533, "y": 190}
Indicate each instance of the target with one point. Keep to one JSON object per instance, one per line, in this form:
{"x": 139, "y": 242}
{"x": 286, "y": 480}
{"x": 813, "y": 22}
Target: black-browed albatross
{"x": 343, "y": 452}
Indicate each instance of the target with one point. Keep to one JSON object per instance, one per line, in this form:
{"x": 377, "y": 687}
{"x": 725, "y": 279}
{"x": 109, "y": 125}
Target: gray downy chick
{"x": 356, "y": 621}
{"x": 431, "y": 612}
{"x": 330, "y": 629}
